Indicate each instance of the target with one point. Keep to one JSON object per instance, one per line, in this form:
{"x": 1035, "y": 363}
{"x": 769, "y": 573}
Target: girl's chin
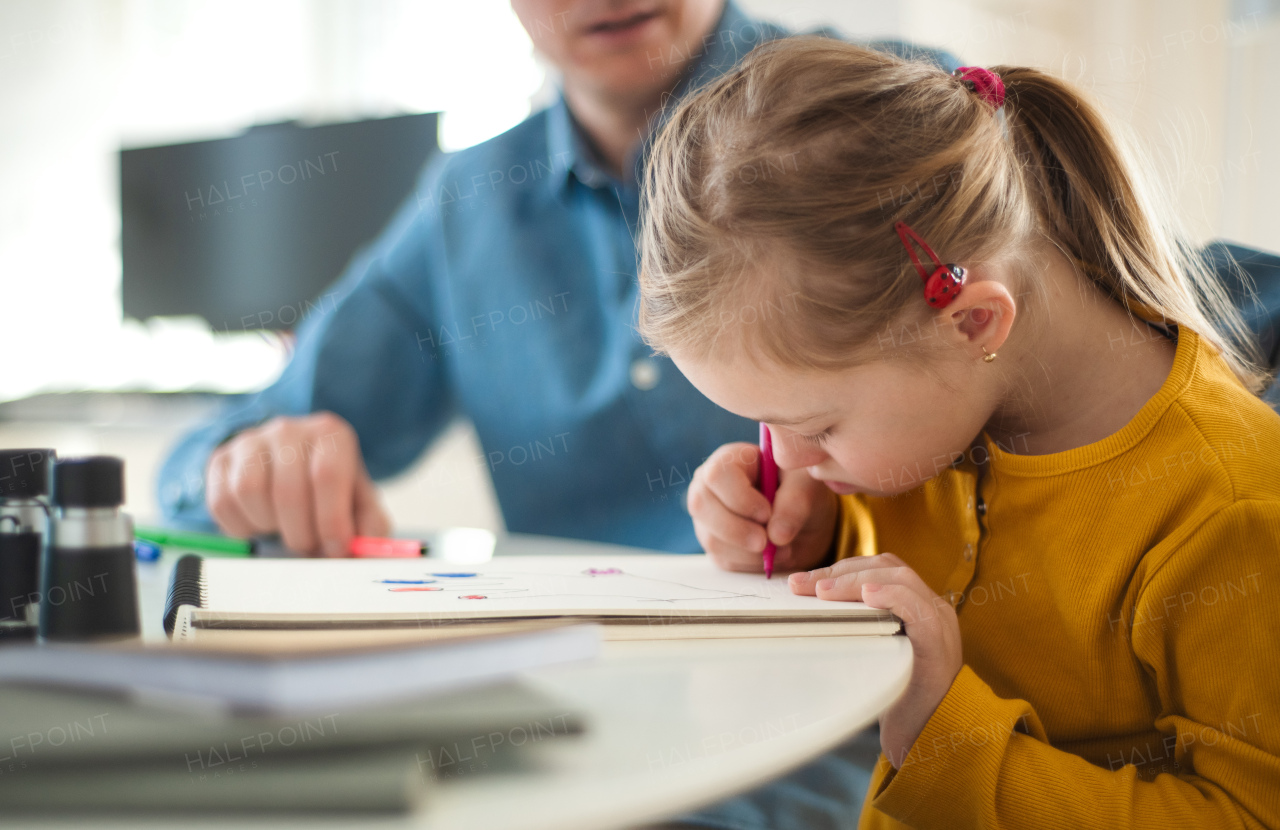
{"x": 840, "y": 488}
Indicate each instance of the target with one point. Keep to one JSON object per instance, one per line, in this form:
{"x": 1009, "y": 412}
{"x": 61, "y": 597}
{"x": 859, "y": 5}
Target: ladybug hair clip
{"x": 944, "y": 283}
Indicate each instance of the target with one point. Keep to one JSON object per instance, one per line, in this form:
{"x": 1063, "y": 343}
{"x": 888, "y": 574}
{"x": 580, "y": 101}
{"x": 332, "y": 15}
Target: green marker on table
{"x": 210, "y": 543}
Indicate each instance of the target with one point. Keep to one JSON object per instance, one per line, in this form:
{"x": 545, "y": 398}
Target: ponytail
{"x": 1096, "y": 207}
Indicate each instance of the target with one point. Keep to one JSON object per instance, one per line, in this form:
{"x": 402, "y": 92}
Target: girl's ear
{"x": 983, "y": 314}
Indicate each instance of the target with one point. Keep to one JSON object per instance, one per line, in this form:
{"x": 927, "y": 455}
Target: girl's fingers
{"x": 906, "y": 603}
{"x": 721, "y": 523}
{"x": 848, "y": 588}
{"x": 792, "y": 506}
{"x": 728, "y": 557}
{"x": 930, "y": 621}
{"x": 730, "y": 474}
{"x": 806, "y": 582}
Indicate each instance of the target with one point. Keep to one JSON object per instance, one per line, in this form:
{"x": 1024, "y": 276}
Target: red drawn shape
{"x": 473, "y": 596}
{"x": 415, "y": 588}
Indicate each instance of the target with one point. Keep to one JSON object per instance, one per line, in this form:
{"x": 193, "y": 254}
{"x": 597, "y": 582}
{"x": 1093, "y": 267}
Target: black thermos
{"x": 88, "y": 590}
{"x": 24, "y": 522}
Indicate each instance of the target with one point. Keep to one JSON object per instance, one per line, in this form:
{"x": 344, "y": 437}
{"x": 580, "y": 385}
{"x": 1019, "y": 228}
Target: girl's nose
{"x": 792, "y": 452}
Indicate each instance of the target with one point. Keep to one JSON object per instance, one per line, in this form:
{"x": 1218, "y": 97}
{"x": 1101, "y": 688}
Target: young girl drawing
{"x": 1008, "y": 406}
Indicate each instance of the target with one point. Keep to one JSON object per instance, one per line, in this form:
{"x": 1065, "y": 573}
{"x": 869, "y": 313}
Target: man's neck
{"x": 615, "y": 126}
{"x": 1088, "y": 372}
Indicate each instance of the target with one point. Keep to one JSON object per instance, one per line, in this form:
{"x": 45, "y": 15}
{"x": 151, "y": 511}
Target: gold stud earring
{"x": 987, "y": 357}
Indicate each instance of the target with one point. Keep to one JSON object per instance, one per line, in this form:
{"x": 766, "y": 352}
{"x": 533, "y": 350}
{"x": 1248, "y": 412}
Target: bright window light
{"x": 91, "y": 78}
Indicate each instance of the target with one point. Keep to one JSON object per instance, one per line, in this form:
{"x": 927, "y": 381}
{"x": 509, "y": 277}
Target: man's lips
{"x": 623, "y": 23}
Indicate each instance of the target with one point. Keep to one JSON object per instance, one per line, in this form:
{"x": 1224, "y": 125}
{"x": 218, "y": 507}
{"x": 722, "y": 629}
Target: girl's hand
{"x": 884, "y": 581}
{"x": 731, "y": 517}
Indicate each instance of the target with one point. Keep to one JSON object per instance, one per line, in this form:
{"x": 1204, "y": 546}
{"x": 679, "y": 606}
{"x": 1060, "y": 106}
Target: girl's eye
{"x": 819, "y": 439}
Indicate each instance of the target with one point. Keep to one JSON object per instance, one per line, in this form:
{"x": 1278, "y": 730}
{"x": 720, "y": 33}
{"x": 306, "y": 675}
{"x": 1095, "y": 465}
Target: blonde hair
{"x": 803, "y": 157}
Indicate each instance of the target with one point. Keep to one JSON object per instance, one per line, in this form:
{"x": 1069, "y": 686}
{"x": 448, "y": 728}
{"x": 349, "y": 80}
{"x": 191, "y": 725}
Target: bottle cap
{"x": 24, "y": 474}
{"x": 95, "y": 481}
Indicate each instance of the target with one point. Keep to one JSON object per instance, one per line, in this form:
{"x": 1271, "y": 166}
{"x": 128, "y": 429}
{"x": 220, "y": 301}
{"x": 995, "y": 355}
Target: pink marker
{"x": 374, "y": 547}
{"x": 768, "y": 486}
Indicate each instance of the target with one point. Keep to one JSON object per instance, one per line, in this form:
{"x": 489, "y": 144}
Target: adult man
{"x": 503, "y": 291}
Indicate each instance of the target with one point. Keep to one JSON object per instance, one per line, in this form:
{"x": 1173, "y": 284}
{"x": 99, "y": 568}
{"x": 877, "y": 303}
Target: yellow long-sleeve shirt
{"x": 1119, "y": 605}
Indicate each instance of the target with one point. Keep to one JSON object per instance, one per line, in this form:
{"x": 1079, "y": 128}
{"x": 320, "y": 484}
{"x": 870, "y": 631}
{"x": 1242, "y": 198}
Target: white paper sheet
{"x": 667, "y": 585}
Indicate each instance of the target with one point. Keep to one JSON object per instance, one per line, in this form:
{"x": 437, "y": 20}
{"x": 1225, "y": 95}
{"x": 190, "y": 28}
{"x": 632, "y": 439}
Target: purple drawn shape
{"x": 602, "y": 571}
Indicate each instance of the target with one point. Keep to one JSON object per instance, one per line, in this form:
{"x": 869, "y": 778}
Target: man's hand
{"x": 885, "y": 581}
{"x": 731, "y": 517}
{"x": 302, "y": 477}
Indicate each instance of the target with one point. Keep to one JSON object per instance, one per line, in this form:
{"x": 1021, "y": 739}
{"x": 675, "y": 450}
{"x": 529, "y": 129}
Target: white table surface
{"x": 672, "y": 725}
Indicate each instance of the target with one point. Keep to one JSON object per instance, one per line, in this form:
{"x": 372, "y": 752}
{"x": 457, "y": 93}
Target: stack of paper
{"x": 658, "y": 596}
{"x": 310, "y": 728}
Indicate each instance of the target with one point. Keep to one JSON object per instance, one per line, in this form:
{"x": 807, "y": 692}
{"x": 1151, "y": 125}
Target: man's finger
{"x": 221, "y": 502}
{"x": 333, "y": 468}
{"x": 249, "y": 480}
{"x": 292, "y": 499}
{"x": 371, "y": 519}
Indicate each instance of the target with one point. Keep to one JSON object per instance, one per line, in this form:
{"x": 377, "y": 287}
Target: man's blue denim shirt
{"x": 504, "y": 291}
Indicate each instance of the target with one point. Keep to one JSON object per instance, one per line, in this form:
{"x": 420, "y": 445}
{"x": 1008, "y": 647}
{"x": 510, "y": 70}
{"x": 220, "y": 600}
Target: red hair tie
{"x": 985, "y": 83}
{"x": 944, "y": 283}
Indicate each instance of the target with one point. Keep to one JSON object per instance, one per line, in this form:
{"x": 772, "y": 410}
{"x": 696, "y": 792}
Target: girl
{"x": 1057, "y": 436}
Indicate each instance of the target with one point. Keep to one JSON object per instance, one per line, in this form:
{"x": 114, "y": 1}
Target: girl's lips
{"x": 840, "y": 487}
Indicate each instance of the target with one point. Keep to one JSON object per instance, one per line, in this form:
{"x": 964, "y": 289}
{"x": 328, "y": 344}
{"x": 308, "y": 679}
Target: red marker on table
{"x": 373, "y": 547}
{"x": 768, "y": 486}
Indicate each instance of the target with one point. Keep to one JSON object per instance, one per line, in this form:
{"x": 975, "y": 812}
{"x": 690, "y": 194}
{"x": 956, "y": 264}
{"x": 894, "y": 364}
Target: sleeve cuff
{"x": 956, "y": 760}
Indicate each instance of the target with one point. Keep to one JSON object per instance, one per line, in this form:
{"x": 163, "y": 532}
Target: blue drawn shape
{"x": 458, "y": 575}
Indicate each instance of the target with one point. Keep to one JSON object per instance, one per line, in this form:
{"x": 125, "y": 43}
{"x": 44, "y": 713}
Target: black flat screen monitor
{"x": 248, "y": 232}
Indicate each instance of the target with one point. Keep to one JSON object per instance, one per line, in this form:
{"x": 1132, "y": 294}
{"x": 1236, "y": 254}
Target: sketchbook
{"x": 634, "y": 597}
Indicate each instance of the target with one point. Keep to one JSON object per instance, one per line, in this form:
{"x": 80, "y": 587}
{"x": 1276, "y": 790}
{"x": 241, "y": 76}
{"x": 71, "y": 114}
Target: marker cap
{"x": 93, "y": 481}
{"x": 24, "y": 474}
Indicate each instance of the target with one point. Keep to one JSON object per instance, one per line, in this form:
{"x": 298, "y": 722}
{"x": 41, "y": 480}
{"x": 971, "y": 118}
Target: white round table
{"x": 671, "y": 726}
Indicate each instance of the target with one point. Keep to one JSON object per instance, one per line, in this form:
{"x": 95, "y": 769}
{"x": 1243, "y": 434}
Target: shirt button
{"x": 982, "y": 507}
{"x": 968, "y": 553}
{"x": 954, "y": 597}
{"x": 645, "y": 374}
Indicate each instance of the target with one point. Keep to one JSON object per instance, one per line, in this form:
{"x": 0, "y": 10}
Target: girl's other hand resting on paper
{"x": 886, "y": 582}
{"x": 731, "y": 517}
